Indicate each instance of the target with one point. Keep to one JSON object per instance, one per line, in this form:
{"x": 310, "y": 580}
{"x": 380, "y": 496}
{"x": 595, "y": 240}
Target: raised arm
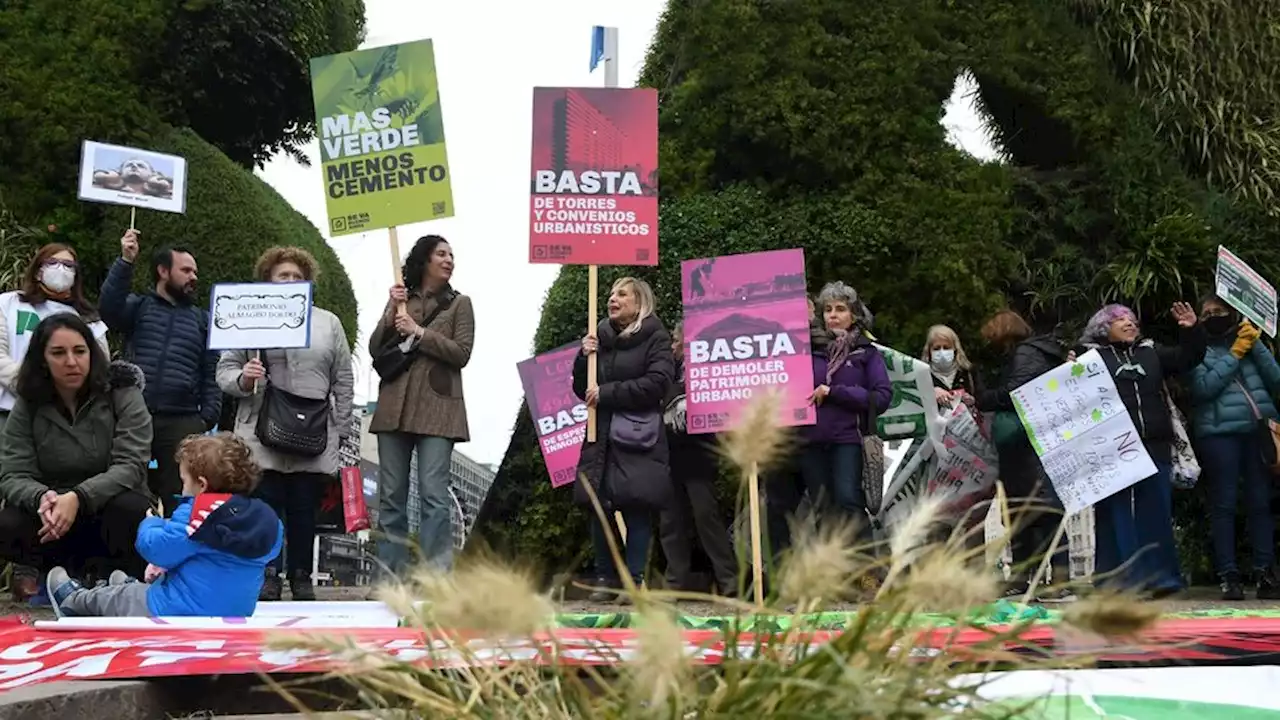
{"x": 118, "y": 306}
{"x": 165, "y": 542}
{"x": 130, "y": 452}
{"x": 1212, "y": 376}
{"x": 20, "y": 481}
{"x": 647, "y": 391}
{"x": 456, "y": 350}
{"x": 1187, "y": 354}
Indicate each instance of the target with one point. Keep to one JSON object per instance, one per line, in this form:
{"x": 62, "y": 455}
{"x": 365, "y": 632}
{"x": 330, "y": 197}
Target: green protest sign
{"x": 1246, "y": 291}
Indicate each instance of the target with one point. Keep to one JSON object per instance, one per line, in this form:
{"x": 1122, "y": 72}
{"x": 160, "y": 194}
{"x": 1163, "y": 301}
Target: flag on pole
{"x": 597, "y": 46}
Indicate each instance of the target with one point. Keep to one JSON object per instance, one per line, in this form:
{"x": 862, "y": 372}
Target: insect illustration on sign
{"x": 382, "y": 70}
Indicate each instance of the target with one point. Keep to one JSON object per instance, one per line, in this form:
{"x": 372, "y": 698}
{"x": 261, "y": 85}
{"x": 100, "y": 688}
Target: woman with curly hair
{"x": 419, "y": 348}
{"x": 1133, "y": 529}
{"x": 292, "y": 483}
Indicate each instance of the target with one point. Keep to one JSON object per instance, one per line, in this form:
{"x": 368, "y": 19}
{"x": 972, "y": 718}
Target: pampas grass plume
{"x": 758, "y": 439}
{"x": 482, "y": 595}
{"x": 1112, "y": 615}
{"x": 660, "y": 671}
{"x": 820, "y": 566}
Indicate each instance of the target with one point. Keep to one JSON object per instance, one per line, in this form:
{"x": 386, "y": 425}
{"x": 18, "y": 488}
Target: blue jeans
{"x": 1133, "y": 535}
{"x": 435, "y": 527}
{"x": 1229, "y": 460}
{"x": 832, "y": 475}
{"x": 635, "y": 552}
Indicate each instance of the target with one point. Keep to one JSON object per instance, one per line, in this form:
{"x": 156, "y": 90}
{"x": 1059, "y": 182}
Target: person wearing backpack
{"x": 1034, "y": 506}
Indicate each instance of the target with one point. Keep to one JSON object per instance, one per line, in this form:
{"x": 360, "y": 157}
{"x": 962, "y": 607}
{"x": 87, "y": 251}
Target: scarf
{"x": 838, "y": 350}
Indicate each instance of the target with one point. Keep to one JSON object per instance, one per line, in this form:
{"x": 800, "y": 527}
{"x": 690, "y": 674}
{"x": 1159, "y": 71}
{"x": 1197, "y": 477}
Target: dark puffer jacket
{"x": 168, "y": 342}
{"x": 1140, "y": 370}
{"x": 634, "y": 374}
{"x": 1020, "y": 468}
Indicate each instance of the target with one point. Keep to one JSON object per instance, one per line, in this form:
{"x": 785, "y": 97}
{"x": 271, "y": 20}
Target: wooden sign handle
{"x": 593, "y": 283}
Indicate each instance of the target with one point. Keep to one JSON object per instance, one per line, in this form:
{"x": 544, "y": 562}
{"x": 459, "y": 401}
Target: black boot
{"x": 1267, "y": 588}
{"x": 271, "y": 586}
{"x": 1231, "y": 587}
{"x": 300, "y": 586}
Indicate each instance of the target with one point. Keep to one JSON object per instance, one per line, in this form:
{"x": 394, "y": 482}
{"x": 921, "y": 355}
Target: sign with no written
{"x": 260, "y": 316}
{"x": 1246, "y": 291}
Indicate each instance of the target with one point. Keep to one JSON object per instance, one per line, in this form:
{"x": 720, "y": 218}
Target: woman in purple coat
{"x": 851, "y": 387}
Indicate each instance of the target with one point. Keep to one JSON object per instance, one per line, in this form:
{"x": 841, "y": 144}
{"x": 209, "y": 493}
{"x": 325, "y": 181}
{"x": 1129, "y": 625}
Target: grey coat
{"x": 320, "y": 371}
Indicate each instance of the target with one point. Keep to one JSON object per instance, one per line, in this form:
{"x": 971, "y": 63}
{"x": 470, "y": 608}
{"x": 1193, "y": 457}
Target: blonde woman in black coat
{"x": 627, "y": 465}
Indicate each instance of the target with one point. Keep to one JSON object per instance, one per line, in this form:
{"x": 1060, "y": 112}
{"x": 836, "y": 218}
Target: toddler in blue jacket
{"x": 207, "y": 559}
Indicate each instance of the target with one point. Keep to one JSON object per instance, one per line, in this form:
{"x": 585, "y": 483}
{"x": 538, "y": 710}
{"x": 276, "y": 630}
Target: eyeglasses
{"x": 68, "y": 264}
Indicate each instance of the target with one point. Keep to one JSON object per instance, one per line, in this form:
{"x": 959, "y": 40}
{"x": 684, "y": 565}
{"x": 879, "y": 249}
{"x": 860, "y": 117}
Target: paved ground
{"x": 1205, "y": 598}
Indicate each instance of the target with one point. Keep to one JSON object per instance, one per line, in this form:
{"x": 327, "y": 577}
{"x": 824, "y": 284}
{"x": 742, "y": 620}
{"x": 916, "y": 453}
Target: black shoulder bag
{"x": 292, "y": 424}
{"x": 390, "y": 362}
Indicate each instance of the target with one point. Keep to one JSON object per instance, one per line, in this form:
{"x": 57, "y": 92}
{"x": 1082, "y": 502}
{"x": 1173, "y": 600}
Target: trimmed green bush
{"x": 823, "y": 132}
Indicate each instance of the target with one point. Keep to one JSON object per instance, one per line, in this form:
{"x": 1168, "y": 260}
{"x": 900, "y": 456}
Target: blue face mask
{"x": 943, "y": 359}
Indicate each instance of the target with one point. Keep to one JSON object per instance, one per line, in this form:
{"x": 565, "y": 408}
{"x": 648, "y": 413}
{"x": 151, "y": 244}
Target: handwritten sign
{"x": 1082, "y": 432}
{"x": 257, "y": 316}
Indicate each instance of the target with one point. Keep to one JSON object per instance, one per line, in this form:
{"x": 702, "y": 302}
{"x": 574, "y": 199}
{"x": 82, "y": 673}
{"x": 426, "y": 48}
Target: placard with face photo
{"x": 128, "y": 176}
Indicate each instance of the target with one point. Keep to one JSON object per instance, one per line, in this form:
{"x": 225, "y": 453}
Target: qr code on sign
{"x": 438, "y": 208}
{"x": 642, "y": 255}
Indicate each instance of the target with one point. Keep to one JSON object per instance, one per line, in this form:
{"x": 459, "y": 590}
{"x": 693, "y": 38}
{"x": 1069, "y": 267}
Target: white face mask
{"x": 944, "y": 358}
{"x": 58, "y": 278}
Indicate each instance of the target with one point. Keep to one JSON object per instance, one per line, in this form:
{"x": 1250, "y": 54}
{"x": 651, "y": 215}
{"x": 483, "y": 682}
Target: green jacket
{"x": 103, "y": 453}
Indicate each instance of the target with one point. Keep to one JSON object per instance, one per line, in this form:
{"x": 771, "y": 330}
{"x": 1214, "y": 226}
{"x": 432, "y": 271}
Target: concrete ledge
{"x": 221, "y": 696}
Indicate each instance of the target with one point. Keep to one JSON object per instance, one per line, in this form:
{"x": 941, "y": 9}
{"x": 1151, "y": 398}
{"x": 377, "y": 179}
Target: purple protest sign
{"x": 559, "y": 417}
{"x": 746, "y": 331}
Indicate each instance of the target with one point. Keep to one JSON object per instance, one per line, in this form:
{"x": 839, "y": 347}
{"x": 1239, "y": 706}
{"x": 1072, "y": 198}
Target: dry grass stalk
{"x": 758, "y": 440}
{"x": 1112, "y": 616}
{"x": 821, "y": 567}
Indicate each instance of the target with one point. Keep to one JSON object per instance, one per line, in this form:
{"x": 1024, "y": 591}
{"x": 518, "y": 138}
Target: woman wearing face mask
{"x": 292, "y": 483}
{"x": 1230, "y": 392}
{"x": 627, "y": 465}
{"x": 51, "y": 284}
{"x": 1133, "y": 529}
{"x": 851, "y": 389}
{"x": 953, "y": 377}
{"x": 419, "y": 348}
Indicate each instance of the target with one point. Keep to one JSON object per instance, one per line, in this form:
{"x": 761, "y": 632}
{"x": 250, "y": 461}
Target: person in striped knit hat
{"x": 207, "y": 560}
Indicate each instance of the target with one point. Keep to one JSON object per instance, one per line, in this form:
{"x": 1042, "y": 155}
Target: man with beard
{"x": 164, "y": 333}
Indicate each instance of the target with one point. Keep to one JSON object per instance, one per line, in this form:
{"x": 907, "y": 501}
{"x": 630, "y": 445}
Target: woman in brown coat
{"x": 419, "y": 348}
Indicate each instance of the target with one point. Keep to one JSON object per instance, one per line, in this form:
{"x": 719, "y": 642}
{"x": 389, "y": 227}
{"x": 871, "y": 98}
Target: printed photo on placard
{"x": 129, "y": 176}
{"x": 260, "y": 316}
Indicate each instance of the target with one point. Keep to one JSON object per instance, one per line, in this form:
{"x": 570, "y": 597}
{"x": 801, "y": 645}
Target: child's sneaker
{"x": 120, "y": 577}
{"x": 61, "y": 586}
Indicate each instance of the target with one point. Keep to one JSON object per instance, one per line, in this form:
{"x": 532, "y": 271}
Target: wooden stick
{"x": 622, "y": 527}
{"x": 133, "y": 216}
{"x": 593, "y": 291}
{"x": 257, "y": 355}
{"x": 397, "y": 270}
{"x": 757, "y": 553}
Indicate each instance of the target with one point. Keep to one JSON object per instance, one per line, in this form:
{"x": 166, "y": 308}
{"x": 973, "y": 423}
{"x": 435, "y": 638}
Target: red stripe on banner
{"x": 29, "y": 655}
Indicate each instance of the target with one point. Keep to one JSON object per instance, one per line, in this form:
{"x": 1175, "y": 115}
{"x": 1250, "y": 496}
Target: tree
{"x": 236, "y": 71}
{"x": 823, "y": 132}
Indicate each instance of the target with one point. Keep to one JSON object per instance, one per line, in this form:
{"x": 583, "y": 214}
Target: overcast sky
{"x": 490, "y": 54}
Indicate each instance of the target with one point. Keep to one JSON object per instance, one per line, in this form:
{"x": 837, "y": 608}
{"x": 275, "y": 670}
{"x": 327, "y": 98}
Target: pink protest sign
{"x": 559, "y": 417}
{"x": 746, "y": 331}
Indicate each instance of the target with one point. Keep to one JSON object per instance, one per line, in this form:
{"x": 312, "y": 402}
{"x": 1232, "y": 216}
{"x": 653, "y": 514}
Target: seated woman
{"x": 73, "y": 457}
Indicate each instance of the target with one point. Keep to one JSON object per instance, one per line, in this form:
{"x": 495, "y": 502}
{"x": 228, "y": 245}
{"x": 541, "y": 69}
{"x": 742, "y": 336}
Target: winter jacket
{"x": 1142, "y": 390}
{"x": 168, "y": 342}
{"x": 320, "y": 371}
{"x": 427, "y": 398}
{"x": 634, "y": 374}
{"x": 214, "y": 551}
{"x": 966, "y": 380}
{"x": 1218, "y": 402}
{"x": 103, "y": 452}
{"x": 1031, "y": 358}
{"x": 1020, "y": 468}
{"x": 860, "y": 391}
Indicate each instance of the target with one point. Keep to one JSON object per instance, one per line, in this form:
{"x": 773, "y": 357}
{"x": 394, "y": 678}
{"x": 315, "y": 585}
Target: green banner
{"x": 381, "y": 136}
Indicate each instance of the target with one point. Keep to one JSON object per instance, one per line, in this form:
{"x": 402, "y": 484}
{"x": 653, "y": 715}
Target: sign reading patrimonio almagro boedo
{"x": 381, "y": 134}
{"x": 594, "y": 180}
